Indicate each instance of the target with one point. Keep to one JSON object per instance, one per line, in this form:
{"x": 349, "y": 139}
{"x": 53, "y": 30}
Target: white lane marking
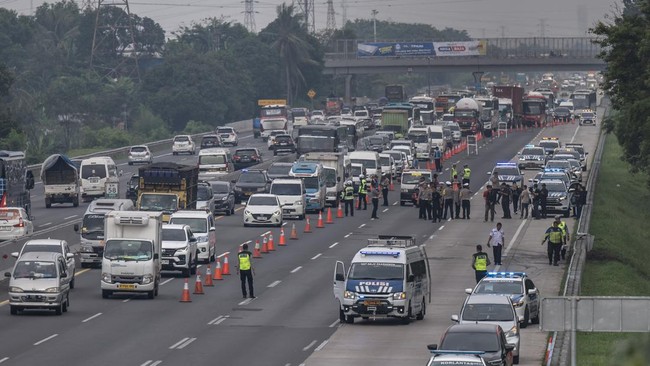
{"x": 4, "y": 359}
{"x": 45, "y": 224}
{"x": 186, "y": 343}
{"x": 91, "y": 318}
{"x": 265, "y": 234}
{"x": 50, "y": 337}
{"x": 348, "y": 235}
{"x": 220, "y": 320}
{"x": 310, "y": 345}
{"x": 166, "y": 281}
{"x": 385, "y": 210}
{"x": 321, "y": 346}
{"x": 512, "y": 241}
{"x": 223, "y": 254}
{"x": 156, "y": 363}
{"x": 575, "y": 133}
{"x": 70, "y": 217}
{"x": 395, "y": 203}
{"x": 442, "y": 227}
{"x": 296, "y": 269}
{"x": 316, "y": 256}
{"x": 179, "y": 343}
{"x": 333, "y": 245}
{"x": 362, "y": 225}
{"x": 432, "y": 236}
{"x": 213, "y": 321}
{"x": 274, "y": 283}
{"x": 335, "y": 323}
{"x": 127, "y": 300}
{"x": 245, "y": 302}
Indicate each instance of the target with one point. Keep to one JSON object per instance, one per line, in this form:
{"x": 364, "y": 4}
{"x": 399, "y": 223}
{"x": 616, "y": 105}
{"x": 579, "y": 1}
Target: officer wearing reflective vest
{"x": 363, "y": 190}
{"x": 466, "y": 173}
{"x": 480, "y": 261}
{"x": 453, "y": 171}
{"x": 565, "y": 232}
{"x": 348, "y": 197}
{"x": 555, "y": 238}
{"x": 245, "y": 270}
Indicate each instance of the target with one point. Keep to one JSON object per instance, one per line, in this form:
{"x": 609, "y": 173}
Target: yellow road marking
{"x": 4, "y": 302}
{"x": 237, "y": 209}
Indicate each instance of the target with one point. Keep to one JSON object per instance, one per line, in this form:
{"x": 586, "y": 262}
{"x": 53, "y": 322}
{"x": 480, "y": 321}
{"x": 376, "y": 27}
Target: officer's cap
{"x": 448, "y": 183}
{"x": 466, "y": 185}
{"x": 558, "y": 218}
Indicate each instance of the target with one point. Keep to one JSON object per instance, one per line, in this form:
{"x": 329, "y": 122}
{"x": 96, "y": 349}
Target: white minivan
{"x": 94, "y": 172}
{"x": 369, "y": 159}
{"x": 436, "y": 137}
{"x": 291, "y": 193}
{"x": 215, "y": 162}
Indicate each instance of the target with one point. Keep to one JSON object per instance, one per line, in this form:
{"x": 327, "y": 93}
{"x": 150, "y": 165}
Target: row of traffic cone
{"x": 209, "y": 279}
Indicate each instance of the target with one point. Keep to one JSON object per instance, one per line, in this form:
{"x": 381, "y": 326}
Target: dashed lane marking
{"x": 274, "y": 283}
{"x": 296, "y": 269}
{"x": 385, "y": 210}
{"x": 310, "y": 345}
{"x": 441, "y": 227}
{"x": 91, "y": 318}
{"x": 321, "y": 346}
{"x": 45, "y": 339}
{"x": 331, "y": 246}
{"x": 166, "y": 281}
{"x": 4, "y": 359}
{"x": 348, "y": 235}
{"x": 362, "y": 225}
{"x": 334, "y": 324}
{"x": 70, "y": 217}
{"x": 316, "y": 256}
{"x": 245, "y": 302}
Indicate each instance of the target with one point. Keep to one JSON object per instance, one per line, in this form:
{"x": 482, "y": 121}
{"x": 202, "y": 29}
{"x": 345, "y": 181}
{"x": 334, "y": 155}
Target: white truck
{"x": 60, "y": 181}
{"x": 132, "y": 252}
{"x": 337, "y": 170}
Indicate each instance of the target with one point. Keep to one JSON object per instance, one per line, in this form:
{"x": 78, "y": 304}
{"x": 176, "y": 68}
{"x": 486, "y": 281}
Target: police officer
{"x": 385, "y": 186}
{"x": 363, "y": 190}
{"x": 453, "y": 171}
{"x": 480, "y": 261}
{"x": 425, "y": 201}
{"x": 448, "y": 196}
{"x": 374, "y": 195}
{"x": 456, "y": 187}
{"x": 437, "y": 158}
{"x": 565, "y": 235}
{"x": 245, "y": 270}
{"x": 466, "y": 173}
{"x": 348, "y": 197}
{"x": 436, "y": 202}
{"x": 506, "y": 194}
{"x": 465, "y": 195}
{"x": 543, "y": 196}
{"x": 555, "y": 237}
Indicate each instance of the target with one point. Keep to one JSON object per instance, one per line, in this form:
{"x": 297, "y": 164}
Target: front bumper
{"x": 258, "y": 219}
{"x": 204, "y": 250}
{"x": 35, "y": 300}
{"x": 127, "y": 287}
{"x": 531, "y": 164}
{"x": 174, "y": 263}
{"x": 375, "y": 307}
{"x": 514, "y": 340}
{"x": 290, "y": 210}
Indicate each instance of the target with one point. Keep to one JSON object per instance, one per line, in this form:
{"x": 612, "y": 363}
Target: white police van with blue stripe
{"x": 390, "y": 277}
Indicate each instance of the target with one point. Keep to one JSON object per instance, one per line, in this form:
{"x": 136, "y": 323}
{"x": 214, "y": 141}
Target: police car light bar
{"x": 506, "y": 164}
{"x": 550, "y": 138}
{"x": 385, "y": 253}
{"x": 530, "y": 145}
{"x": 506, "y": 274}
{"x": 452, "y": 352}
{"x": 553, "y": 170}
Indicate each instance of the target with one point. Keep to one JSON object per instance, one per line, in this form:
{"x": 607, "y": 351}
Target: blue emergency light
{"x": 244, "y": 170}
{"x": 506, "y": 274}
{"x": 530, "y": 145}
{"x": 554, "y": 170}
{"x": 507, "y": 164}
{"x": 386, "y": 253}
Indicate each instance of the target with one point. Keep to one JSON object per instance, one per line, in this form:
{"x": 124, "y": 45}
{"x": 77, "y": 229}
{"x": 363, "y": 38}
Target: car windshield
{"x": 384, "y": 161}
{"x": 277, "y": 169}
{"x": 286, "y": 189}
{"x": 500, "y": 287}
{"x": 9, "y": 214}
{"x": 224, "y": 130}
{"x": 397, "y": 156}
{"x": 367, "y": 164}
{"x": 96, "y": 171}
{"x": 560, "y": 164}
{"x": 488, "y": 312}
{"x": 262, "y": 201}
{"x": 245, "y": 152}
{"x": 252, "y": 178}
{"x": 454, "y": 127}
{"x": 562, "y": 110}
{"x": 181, "y": 139}
{"x": 138, "y": 149}
{"x": 196, "y": 224}
{"x": 134, "y": 181}
{"x": 210, "y": 140}
{"x": 587, "y": 115}
{"x": 356, "y": 170}
{"x": 411, "y": 178}
{"x": 532, "y": 152}
{"x": 92, "y": 227}
{"x": 549, "y": 144}
{"x": 212, "y": 159}
{"x": 220, "y": 188}
{"x": 311, "y": 183}
{"x": 128, "y": 250}
{"x": 174, "y": 235}
{"x": 41, "y": 248}
{"x": 376, "y": 271}
{"x": 435, "y": 135}
{"x": 158, "y": 202}
{"x": 418, "y": 138}
{"x": 203, "y": 193}
{"x": 474, "y": 341}
{"x": 506, "y": 171}
{"x": 35, "y": 269}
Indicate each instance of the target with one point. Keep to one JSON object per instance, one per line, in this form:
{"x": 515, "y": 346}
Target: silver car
{"x": 140, "y": 154}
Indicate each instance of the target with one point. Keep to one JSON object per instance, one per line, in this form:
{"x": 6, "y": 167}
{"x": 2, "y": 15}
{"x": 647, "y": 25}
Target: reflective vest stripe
{"x": 480, "y": 263}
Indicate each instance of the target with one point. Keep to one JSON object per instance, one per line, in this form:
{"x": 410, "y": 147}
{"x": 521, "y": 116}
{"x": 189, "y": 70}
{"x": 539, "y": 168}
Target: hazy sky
{"x": 481, "y": 18}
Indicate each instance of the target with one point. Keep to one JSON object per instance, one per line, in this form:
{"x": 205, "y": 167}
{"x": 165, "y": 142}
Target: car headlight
{"x": 86, "y": 249}
{"x": 225, "y": 198}
{"x": 277, "y": 213}
{"x": 201, "y": 239}
{"x": 15, "y": 289}
{"x": 52, "y": 290}
{"x": 562, "y": 198}
{"x": 147, "y": 279}
{"x": 248, "y": 213}
{"x": 513, "y": 332}
{"x": 350, "y": 295}
{"x": 262, "y": 189}
{"x": 106, "y": 277}
{"x": 399, "y": 296}
{"x": 298, "y": 203}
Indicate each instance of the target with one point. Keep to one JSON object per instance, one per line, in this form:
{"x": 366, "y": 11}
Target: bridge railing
{"x": 497, "y": 48}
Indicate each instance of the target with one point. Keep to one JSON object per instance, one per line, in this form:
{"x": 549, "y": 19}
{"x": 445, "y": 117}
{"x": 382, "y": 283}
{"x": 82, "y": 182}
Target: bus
{"x": 274, "y": 111}
{"x": 427, "y": 107}
{"x": 15, "y": 180}
{"x": 313, "y": 176}
{"x": 322, "y": 138}
{"x": 394, "y": 93}
{"x": 583, "y": 99}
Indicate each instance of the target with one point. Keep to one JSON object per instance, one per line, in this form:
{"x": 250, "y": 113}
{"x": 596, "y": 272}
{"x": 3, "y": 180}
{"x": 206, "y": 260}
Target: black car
{"x": 245, "y": 157}
{"x": 209, "y": 141}
{"x": 278, "y": 169}
{"x": 488, "y": 338}
{"x": 283, "y": 143}
{"x": 251, "y": 181}
{"x": 562, "y": 114}
{"x": 224, "y": 197}
{"x": 132, "y": 188}
{"x": 378, "y": 143}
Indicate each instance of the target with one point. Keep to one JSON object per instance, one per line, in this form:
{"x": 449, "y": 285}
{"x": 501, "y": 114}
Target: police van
{"x": 390, "y": 277}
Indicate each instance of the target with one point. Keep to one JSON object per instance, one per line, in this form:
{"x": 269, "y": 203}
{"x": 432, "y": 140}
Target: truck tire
{"x": 48, "y": 204}
{"x": 423, "y": 311}
{"x": 106, "y": 294}
{"x": 13, "y": 310}
{"x": 151, "y": 294}
{"x": 349, "y": 319}
{"x": 75, "y": 202}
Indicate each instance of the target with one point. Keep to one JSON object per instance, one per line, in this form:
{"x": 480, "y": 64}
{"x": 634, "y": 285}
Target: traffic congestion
{"x": 349, "y": 222}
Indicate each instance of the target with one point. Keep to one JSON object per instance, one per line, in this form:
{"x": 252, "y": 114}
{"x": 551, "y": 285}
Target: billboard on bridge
{"x": 395, "y": 49}
{"x": 468, "y": 48}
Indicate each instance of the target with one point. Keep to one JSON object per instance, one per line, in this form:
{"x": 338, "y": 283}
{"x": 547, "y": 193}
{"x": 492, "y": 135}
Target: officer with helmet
{"x": 363, "y": 190}
{"x": 348, "y": 197}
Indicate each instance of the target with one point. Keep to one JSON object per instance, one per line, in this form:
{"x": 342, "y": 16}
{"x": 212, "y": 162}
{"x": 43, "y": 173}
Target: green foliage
{"x": 146, "y": 126}
{"x": 106, "y": 137}
{"x": 194, "y": 127}
{"x": 15, "y": 140}
{"x": 363, "y": 29}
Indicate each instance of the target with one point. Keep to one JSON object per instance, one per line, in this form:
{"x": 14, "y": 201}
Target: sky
{"x": 481, "y": 18}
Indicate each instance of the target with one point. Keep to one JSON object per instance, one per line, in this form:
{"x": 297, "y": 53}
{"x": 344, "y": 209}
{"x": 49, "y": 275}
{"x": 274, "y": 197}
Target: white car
{"x": 179, "y": 251}
{"x": 183, "y": 144}
{"x": 228, "y": 136}
{"x": 51, "y": 246}
{"x": 263, "y": 209}
{"x": 14, "y": 223}
{"x": 202, "y": 225}
{"x": 271, "y": 141}
{"x": 140, "y": 154}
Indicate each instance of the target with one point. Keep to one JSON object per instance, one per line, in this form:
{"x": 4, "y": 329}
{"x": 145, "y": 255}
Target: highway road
{"x": 294, "y": 319}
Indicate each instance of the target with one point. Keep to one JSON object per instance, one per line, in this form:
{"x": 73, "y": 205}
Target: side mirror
{"x": 155, "y": 256}
{"x": 532, "y": 291}
{"x": 69, "y": 255}
{"x": 586, "y": 153}
{"x": 432, "y": 347}
{"x": 468, "y": 291}
{"x": 340, "y": 277}
{"x": 454, "y": 318}
{"x": 76, "y": 227}
{"x": 233, "y": 181}
{"x": 212, "y": 228}
{"x": 14, "y": 254}
{"x": 7, "y": 274}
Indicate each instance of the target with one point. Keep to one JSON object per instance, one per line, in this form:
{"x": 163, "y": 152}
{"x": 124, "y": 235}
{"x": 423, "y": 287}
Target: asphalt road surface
{"x": 294, "y": 318}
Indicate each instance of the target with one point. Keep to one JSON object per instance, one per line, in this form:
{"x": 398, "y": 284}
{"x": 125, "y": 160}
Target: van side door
{"x": 64, "y": 276}
{"x": 339, "y": 281}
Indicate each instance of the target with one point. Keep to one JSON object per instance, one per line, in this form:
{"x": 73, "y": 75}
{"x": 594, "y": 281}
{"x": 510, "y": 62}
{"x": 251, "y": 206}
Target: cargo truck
{"x": 336, "y": 168}
{"x": 60, "y": 181}
{"x": 516, "y": 95}
{"x": 534, "y": 107}
{"x": 131, "y": 262}
{"x": 396, "y": 121}
{"x": 167, "y": 187}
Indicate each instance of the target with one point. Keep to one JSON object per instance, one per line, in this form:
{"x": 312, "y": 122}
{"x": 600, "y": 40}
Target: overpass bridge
{"x": 343, "y": 59}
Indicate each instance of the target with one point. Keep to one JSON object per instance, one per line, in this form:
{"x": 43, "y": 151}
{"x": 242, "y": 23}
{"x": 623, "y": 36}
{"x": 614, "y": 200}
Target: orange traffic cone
{"x": 198, "y": 286}
{"x": 294, "y": 233}
{"x": 226, "y": 266}
{"x": 307, "y": 226}
{"x": 256, "y": 250}
{"x": 283, "y": 240}
{"x": 329, "y": 216}
{"x": 339, "y": 212}
{"x": 217, "y": 271}
{"x": 320, "y": 224}
{"x": 392, "y": 188}
{"x": 265, "y": 245}
{"x": 366, "y": 196}
{"x": 208, "y": 278}
{"x": 271, "y": 245}
{"x": 185, "y": 296}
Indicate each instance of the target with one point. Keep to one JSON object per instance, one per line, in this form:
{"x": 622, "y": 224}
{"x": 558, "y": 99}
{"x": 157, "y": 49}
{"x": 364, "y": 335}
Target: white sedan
{"x": 263, "y": 209}
{"x": 14, "y": 223}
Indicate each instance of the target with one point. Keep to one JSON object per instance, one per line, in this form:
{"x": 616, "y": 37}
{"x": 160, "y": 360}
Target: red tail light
{"x": 20, "y": 223}
{"x": 236, "y": 157}
{"x": 255, "y": 157}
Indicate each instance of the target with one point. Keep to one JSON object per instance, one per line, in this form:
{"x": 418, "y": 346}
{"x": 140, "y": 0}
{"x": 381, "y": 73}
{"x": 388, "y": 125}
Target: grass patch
{"x": 617, "y": 266}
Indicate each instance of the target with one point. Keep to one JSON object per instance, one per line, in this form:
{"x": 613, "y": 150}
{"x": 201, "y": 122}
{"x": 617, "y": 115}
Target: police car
{"x": 550, "y": 144}
{"x": 550, "y": 173}
{"x": 587, "y": 117}
{"x": 508, "y": 173}
{"x": 464, "y": 358}
{"x": 532, "y": 157}
{"x": 521, "y": 289}
{"x": 559, "y": 196}
{"x": 581, "y": 150}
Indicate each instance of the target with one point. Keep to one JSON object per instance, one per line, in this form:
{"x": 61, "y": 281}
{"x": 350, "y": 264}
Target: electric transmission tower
{"x": 114, "y": 52}
{"x": 307, "y": 7}
{"x": 344, "y": 13}
{"x": 249, "y": 16}
{"x": 331, "y": 19}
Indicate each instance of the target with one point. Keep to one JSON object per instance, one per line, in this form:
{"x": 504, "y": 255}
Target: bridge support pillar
{"x": 348, "y": 88}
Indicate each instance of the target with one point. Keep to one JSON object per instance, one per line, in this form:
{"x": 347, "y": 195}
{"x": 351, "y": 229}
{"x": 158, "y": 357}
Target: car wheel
{"x": 228, "y": 212}
{"x": 341, "y": 315}
{"x": 535, "y": 320}
{"x": 72, "y": 282}
{"x": 130, "y": 163}
{"x": 185, "y": 272}
{"x": 195, "y": 265}
{"x": 13, "y": 310}
{"x": 59, "y": 309}
{"x": 567, "y": 213}
{"x": 151, "y": 294}
{"x": 67, "y": 304}
{"x": 106, "y": 294}
{"x": 75, "y": 202}
{"x": 213, "y": 257}
{"x": 402, "y": 203}
{"x": 422, "y": 312}
{"x": 232, "y": 210}
{"x": 407, "y": 318}
{"x": 524, "y": 324}
{"x": 155, "y": 289}
{"x": 48, "y": 204}
{"x": 349, "y": 319}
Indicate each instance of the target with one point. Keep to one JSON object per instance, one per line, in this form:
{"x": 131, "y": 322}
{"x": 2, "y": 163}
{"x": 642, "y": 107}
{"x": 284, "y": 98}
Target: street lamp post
{"x": 374, "y": 24}
{"x": 429, "y": 76}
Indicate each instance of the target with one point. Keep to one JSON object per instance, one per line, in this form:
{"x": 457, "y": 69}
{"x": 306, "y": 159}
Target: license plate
{"x": 5, "y": 228}
{"x": 126, "y": 287}
{"x": 286, "y": 211}
{"x": 93, "y": 180}
{"x": 372, "y": 302}
{"x": 264, "y": 217}
{"x": 165, "y": 261}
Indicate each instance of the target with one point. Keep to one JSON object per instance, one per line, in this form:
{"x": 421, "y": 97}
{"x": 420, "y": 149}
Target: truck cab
{"x": 167, "y": 187}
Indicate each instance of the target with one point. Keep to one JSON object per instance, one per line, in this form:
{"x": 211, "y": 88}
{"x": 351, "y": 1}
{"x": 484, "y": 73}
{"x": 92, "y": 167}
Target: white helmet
{"x": 361, "y": 176}
{"x": 348, "y": 183}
